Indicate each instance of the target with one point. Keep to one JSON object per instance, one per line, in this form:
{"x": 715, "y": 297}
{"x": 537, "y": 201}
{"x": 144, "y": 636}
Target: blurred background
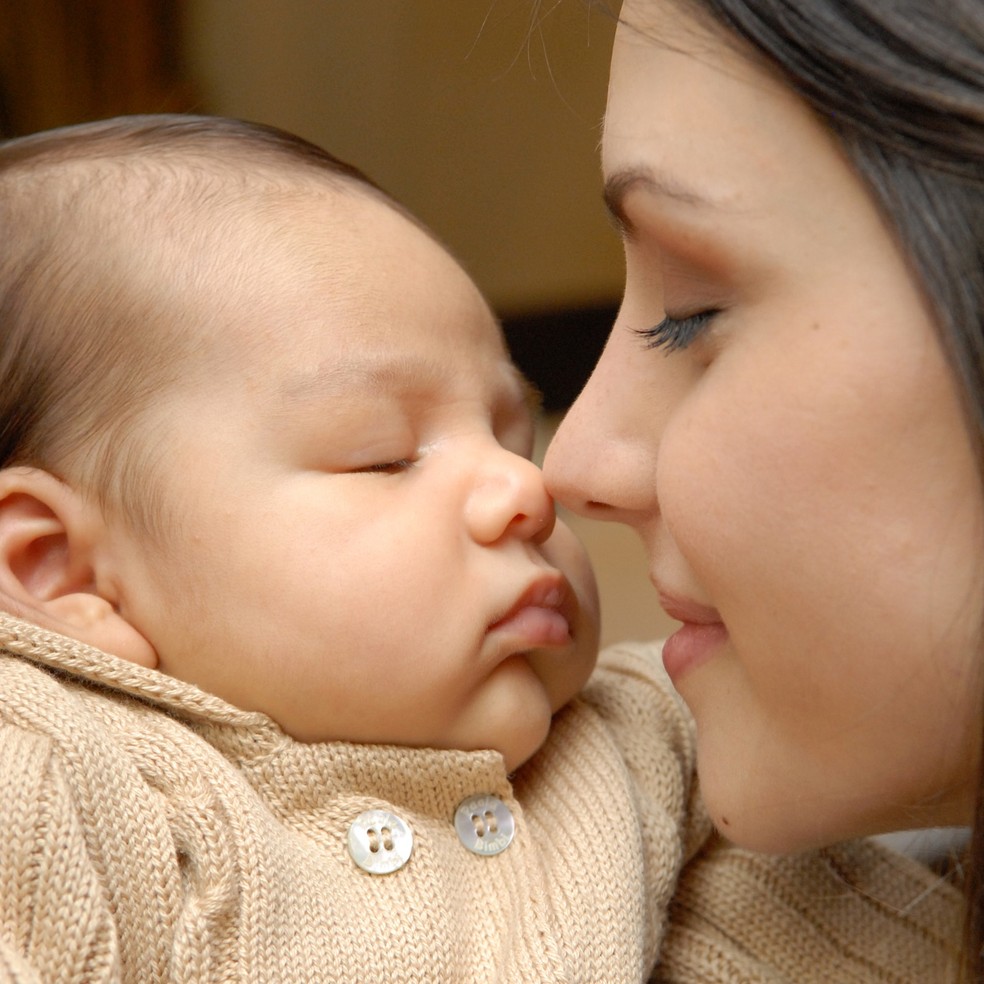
{"x": 482, "y": 116}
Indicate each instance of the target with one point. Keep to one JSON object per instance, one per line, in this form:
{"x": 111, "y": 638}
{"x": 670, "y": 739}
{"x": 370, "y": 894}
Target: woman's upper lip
{"x": 551, "y": 591}
{"x": 686, "y": 609}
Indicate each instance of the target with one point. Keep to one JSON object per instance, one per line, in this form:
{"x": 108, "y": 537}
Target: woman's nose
{"x": 601, "y": 462}
{"x": 509, "y": 498}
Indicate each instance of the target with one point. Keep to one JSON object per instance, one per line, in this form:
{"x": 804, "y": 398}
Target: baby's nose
{"x": 509, "y": 498}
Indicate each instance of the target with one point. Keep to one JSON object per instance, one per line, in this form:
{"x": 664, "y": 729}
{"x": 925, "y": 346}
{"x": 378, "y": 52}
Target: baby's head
{"x": 259, "y": 430}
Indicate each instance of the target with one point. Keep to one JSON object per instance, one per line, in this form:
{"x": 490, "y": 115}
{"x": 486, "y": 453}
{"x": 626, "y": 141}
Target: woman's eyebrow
{"x": 621, "y": 183}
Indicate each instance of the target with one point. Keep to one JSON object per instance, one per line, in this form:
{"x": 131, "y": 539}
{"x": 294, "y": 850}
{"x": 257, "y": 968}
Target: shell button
{"x": 484, "y": 824}
{"x": 380, "y": 842}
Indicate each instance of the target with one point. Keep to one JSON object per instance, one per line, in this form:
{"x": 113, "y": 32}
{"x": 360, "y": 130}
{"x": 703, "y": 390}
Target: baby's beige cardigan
{"x": 151, "y": 832}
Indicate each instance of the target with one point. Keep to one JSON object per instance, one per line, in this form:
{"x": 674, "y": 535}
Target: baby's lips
{"x": 542, "y": 615}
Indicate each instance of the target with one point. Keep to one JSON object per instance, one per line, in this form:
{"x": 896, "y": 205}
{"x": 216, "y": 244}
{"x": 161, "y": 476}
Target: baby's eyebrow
{"x": 345, "y": 378}
{"x": 400, "y": 374}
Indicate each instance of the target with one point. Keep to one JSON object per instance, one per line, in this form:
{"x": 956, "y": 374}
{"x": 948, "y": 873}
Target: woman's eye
{"x": 674, "y": 334}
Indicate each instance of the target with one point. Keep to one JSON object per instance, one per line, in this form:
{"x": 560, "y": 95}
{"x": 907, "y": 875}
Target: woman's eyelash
{"x": 674, "y": 334}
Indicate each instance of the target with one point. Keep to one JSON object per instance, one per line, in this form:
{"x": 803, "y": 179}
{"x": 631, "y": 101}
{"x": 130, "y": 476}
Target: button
{"x": 484, "y": 824}
{"x": 380, "y": 842}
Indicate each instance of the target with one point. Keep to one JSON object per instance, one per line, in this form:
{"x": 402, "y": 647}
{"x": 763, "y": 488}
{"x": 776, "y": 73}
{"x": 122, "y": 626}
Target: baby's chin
{"x": 512, "y": 715}
{"x": 518, "y": 753}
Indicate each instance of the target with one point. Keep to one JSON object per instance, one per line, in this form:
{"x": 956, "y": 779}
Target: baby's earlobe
{"x": 91, "y": 619}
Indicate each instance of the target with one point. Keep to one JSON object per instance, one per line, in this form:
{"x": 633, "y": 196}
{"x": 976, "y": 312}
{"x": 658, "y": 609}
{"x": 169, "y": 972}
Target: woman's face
{"x": 791, "y": 450}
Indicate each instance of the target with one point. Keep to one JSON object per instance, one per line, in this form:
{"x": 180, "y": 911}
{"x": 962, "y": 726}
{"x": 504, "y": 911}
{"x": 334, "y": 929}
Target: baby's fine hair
{"x": 93, "y": 219}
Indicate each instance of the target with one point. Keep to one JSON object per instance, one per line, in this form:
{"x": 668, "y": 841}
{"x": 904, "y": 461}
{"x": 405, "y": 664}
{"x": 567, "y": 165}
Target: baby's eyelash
{"x": 389, "y": 466}
{"x": 674, "y": 334}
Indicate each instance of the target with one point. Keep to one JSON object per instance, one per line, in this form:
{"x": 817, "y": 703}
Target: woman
{"x": 790, "y": 409}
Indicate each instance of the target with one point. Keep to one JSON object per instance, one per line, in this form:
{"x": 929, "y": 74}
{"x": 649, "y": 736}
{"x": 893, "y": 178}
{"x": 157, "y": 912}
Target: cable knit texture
{"x": 152, "y": 832}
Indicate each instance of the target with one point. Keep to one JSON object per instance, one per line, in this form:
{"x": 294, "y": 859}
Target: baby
{"x": 293, "y": 639}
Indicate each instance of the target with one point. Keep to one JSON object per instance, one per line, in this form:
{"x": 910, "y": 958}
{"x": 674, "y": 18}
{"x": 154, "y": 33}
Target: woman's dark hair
{"x": 901, "y": 83}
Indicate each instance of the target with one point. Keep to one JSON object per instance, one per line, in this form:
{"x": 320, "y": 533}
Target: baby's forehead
{"x": 220, "y": 224}
{"x": 249, "y": 219}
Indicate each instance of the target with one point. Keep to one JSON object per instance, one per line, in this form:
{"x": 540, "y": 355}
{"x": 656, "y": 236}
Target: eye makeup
{"x": 674, "y": 334}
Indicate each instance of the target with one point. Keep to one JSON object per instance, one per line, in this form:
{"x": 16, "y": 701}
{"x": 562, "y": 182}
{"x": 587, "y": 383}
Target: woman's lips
{"x": 691, "y": 646}
{"x": 696, "y": 641}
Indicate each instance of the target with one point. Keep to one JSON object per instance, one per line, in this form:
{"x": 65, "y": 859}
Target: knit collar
{"x": 68, "y": 657}
{"x": 429, "y": 780}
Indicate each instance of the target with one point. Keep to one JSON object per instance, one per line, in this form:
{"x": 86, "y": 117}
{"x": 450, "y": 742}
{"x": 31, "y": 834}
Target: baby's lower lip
{"x": 534, "y": 626}
{"x": 692, "y": 645}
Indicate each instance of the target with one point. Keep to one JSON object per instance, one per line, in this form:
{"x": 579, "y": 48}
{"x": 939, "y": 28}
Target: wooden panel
{"x": 67, "y": 61}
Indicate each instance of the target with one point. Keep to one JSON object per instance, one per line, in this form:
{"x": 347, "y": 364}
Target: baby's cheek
{"x": 565, "y": 552}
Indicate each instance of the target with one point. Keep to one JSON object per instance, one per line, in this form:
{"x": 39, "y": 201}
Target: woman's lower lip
{"x": 690, "y": 646}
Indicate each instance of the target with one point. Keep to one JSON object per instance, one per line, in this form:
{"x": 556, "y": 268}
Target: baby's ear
{"x": 50, "y": 537}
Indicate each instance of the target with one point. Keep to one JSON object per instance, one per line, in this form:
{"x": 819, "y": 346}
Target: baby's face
{"x": 362, "y": 548}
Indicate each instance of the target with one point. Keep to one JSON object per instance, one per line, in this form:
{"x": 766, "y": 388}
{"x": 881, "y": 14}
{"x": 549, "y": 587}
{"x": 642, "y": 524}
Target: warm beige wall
{"x": 490, "y": 139}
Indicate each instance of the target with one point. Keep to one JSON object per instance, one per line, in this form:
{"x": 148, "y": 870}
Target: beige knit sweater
{"x": 151, "y": 832}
